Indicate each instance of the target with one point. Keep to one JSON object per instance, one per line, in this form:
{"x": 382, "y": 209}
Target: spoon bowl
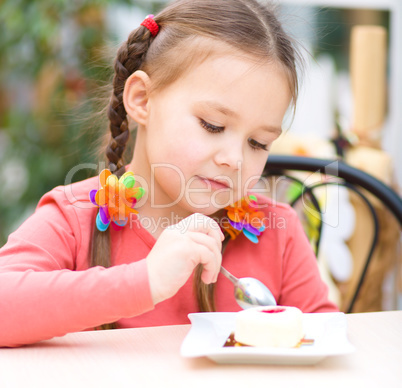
{"x": 250, "y": 292}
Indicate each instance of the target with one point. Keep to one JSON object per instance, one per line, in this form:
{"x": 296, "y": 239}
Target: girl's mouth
{"x": 215, "y": 184}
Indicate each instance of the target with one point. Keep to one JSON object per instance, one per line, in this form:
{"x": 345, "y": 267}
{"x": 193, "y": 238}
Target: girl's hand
{"x": 180, "y": 248}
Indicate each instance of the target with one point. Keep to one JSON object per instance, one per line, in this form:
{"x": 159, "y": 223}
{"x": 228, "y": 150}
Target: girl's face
{"x": 208, "y": 134}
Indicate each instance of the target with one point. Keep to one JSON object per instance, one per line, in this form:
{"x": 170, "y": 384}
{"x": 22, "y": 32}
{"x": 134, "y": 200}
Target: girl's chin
{"x": 208, "y": 205}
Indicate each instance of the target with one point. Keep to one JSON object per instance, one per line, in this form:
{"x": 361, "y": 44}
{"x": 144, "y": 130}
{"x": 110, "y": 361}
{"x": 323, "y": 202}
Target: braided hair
{"x": 129, "y": 58}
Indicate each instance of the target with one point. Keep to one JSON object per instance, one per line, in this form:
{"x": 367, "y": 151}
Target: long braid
{"x": 130, "y": 57}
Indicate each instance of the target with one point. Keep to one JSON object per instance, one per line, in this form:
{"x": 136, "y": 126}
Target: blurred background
{"x": 56, "y": 56}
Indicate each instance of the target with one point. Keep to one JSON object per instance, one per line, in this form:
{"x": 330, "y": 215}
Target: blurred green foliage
{"x": 50, "y": 66}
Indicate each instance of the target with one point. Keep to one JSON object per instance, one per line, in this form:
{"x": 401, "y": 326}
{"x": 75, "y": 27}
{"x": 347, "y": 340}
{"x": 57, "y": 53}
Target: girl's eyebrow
{"x": 272, "y": 129}
{"x": 220, "y": 108}
{"x": 229, "y": 112}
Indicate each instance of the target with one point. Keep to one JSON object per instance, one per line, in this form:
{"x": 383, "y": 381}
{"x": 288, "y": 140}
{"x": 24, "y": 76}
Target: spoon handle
{"x": 226, "y": 273}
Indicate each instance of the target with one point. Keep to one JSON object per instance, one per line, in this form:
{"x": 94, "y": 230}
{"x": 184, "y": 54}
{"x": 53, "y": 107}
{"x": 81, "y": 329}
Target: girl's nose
{"x": 230, "y": 155}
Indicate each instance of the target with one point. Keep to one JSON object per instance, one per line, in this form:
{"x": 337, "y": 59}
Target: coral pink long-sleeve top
{"x": 47, "y": 288}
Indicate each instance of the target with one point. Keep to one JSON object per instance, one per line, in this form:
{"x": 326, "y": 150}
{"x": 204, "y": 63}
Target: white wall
{"x": 392, "y": 131}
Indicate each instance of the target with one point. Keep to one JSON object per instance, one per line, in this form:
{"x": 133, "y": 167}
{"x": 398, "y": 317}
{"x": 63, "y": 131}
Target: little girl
{"x": 207, "y": 84}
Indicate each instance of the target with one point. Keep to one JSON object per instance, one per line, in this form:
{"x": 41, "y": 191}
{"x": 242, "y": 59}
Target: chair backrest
{"x": 361, "y": 183}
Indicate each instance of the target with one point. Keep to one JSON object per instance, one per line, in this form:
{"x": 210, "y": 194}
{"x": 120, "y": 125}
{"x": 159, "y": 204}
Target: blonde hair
{"x": 187, "y": 28}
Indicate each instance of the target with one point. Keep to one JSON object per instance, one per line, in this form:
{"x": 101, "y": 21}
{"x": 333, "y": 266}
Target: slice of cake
{"x": 278, "y": 326}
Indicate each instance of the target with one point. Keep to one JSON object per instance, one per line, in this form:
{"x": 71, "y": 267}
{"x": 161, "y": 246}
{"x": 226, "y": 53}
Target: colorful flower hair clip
{"x": 244, "y": 216}
{"x": 116, "y": 199}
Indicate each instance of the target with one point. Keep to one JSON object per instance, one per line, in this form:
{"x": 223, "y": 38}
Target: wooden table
{"x": 149, "y": 357}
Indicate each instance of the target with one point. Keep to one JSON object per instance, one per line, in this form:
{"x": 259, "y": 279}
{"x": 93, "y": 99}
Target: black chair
{"x": 346, "y": 175}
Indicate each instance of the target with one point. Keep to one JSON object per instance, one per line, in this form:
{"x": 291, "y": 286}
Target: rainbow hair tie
{"x": 116, "y": 199}
{"x": 243, "y": 216}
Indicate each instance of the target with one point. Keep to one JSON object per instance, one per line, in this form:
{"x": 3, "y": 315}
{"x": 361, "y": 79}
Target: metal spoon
{"x": 250, "y": 292}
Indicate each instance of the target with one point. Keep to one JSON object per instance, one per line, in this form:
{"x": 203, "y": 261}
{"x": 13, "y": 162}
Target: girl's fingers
{"x": 199, "y": 223}
{"x": 206, "y": 240}
{"x": 179, "y": 249}
{"x": 211, "y": 263}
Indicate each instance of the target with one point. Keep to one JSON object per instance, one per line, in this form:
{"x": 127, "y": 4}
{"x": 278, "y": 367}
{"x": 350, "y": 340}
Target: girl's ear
{"x": 135, "y": 96}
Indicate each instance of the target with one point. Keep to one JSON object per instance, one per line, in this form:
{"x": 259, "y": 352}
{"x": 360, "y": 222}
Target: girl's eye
{"x": 255, "y": 145}
{"x": 210, "y": 127}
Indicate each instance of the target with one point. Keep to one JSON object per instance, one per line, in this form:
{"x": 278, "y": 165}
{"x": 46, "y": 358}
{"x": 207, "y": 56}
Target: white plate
{"x": 209, "y": 332}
